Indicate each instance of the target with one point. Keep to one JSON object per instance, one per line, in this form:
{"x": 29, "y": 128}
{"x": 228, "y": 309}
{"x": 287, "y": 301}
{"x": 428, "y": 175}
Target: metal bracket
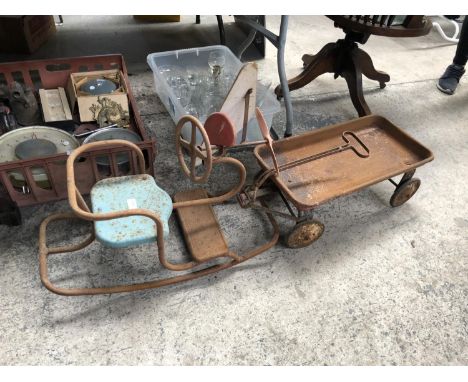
{"x": 406, "y": 176}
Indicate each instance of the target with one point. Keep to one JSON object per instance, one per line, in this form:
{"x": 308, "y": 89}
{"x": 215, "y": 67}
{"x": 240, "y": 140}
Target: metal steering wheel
{"x": 194, "y": 149}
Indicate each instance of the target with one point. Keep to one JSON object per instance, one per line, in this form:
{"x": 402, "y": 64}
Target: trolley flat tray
{"x": 392, "y": 152}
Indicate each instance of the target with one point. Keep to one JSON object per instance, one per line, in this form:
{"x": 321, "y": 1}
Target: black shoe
{"x": 450, "y": 79}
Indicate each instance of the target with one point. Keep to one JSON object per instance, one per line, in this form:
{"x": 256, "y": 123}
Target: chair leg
{"x": 307, "y": 59}
{"x": 363, "y": 61}
{"x": 353, "y": 78}
{"x": 343, "y": 59}
{"x": 323, "y": 62}
{"x": 222, "y": 35}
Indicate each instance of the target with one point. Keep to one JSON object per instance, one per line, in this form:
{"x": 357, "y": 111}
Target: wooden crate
{"x": 51, "y": 74}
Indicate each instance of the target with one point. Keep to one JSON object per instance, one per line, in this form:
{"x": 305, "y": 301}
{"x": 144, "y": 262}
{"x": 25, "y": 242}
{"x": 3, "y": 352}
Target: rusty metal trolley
{"x": 310, "y": 169}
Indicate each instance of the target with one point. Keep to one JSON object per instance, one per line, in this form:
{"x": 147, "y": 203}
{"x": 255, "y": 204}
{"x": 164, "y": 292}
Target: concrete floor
{"x": 381, "y": 286}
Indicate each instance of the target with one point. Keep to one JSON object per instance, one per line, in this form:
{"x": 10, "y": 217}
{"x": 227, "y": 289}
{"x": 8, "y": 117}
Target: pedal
{"x": 200, "y": 227}
{"x": 246, "y": 198}
{"x": 243, "y": 199}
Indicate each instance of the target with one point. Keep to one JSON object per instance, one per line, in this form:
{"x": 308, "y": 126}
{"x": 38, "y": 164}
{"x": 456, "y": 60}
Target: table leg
{"x": 222, "y": 35}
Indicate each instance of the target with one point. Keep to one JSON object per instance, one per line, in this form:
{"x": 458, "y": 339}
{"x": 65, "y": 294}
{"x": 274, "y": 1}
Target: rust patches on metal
{"x": 304, "y": 234}
{"x": 310, "y": 183}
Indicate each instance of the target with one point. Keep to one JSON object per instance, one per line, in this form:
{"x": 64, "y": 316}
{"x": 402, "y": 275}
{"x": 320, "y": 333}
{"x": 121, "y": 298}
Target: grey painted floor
{"x": 381, "y": 286}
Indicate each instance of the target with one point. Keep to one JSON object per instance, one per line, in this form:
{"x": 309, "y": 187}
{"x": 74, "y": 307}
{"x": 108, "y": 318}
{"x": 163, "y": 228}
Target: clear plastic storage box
{"x": 174, "y": 72}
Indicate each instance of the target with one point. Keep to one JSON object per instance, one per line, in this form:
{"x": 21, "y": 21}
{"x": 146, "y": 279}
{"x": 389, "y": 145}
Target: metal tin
{"x": 98, "y": 86}
{"x": 13, "y": 140}
{"x": 109, "y": 133}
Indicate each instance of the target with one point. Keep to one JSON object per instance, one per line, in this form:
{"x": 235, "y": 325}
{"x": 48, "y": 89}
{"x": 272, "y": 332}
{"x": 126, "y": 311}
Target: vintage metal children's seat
{"x": 133, "y": 191}
{"x": 132, "y": 210}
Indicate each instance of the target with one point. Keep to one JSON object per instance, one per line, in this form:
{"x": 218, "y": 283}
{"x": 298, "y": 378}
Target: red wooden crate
{"x": 53, "y": 73}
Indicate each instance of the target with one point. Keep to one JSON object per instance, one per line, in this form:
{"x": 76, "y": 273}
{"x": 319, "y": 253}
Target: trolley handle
{"x": 266, "y": 135}
{"x": 352, "y": 143}
{"x": 360, "y": 148}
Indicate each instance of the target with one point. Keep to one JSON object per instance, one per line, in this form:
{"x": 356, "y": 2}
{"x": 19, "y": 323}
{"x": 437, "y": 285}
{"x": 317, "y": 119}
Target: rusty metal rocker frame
{"x": 80, "y": 210}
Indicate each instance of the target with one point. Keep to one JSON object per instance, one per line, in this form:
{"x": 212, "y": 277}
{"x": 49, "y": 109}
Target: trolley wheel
{"x": 382, "y": 85}
{"x": 404, "y": 192}
{"x": 304, "y": 234}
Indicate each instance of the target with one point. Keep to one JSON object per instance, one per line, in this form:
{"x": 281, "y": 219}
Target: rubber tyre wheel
{"x": 304, "y": 234}
{"x": 404, "y": 192}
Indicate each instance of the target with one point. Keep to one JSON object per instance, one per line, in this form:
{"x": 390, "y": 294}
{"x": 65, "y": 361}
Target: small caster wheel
{"x": 279, "y": 98}
{"x": 404, "y": 192}
{"x": 382, "y": 85}
{"x": 304, "y": 234}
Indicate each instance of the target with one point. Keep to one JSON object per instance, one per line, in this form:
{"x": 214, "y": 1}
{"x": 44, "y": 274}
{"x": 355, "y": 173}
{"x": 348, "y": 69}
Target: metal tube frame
{"x": 80, "y": 210}
{"x": 279, "y": 42}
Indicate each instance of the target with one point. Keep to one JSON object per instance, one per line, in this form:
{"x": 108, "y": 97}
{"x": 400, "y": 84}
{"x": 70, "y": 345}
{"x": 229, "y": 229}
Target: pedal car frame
{"x": 80, "y": 210}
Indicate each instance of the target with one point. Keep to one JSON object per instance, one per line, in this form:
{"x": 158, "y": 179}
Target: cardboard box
{"x": 56, "y": 109}
{"x": 86, "y": 102}
{"x": 25, "y": 34}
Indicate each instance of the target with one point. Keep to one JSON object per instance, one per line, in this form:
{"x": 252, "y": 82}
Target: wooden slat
{"x": 234, "y": 104}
